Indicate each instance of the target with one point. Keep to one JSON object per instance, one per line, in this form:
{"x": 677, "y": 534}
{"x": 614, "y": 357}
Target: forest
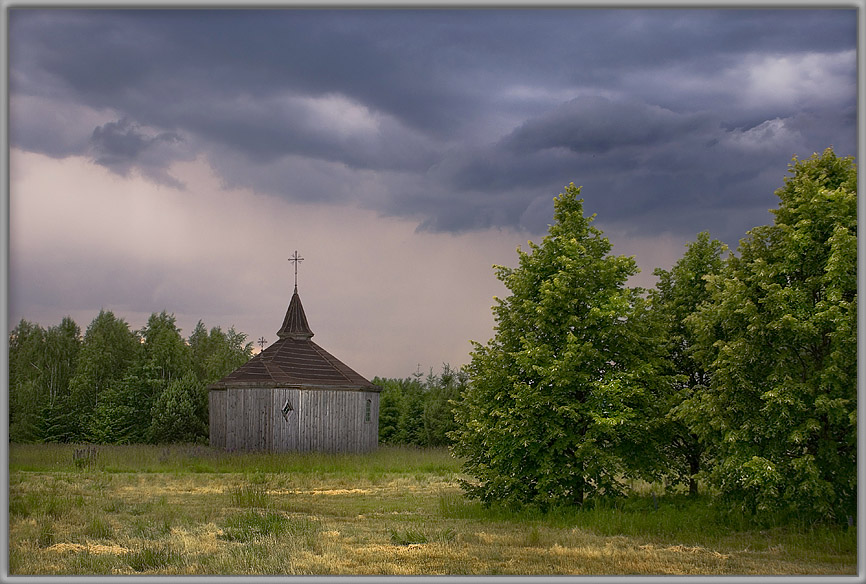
{"x": 736, "y": 373}
{"x": 115, "y": 385}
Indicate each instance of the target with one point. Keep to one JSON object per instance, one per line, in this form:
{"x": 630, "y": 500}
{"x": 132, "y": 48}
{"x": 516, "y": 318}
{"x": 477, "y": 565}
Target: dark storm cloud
{"x": 120, "y": 146}
{"x": 597, "y": 125}
{"x": 643, "y": 168}
{"x": 469, "y": 119}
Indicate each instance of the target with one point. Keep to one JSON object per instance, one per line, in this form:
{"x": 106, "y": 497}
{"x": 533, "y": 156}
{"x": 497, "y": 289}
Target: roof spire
{"x": 296, "y": 259}
{"x": 295, "y": 324}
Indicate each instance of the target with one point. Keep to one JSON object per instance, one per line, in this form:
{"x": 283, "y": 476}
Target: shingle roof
{"x": 295, "y": 324}
{"x": 295, "y": 360}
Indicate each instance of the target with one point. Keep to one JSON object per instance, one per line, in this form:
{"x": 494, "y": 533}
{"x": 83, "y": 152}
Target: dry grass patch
{"x": 373, "y": 515}
{"x": 92, "y": 548}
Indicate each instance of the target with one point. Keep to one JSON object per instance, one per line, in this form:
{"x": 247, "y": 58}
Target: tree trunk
{"x": 694, "y": 467}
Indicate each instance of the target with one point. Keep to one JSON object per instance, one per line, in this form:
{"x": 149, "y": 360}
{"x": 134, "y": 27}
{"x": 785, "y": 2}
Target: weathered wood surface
{"x": 320, "y": 421}
{"x": 217, "y": 418}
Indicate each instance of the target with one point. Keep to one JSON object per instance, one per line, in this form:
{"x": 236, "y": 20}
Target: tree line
{"x": 115, "y": 384}
{"x": 118, "y": 385}
{"x": 419, "y": 410}
{"x": 737, "y": 370}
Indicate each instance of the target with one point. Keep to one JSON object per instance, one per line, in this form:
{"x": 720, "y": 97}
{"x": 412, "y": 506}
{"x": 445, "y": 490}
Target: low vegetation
{"x": 189, "y": 509}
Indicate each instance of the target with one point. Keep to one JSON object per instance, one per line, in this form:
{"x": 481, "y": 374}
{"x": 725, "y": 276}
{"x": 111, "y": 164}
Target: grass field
{"x": 192, "y": 510}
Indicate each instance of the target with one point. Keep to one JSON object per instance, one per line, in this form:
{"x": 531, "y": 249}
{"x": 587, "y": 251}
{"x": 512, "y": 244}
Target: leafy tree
{"x": 555, "y": 411}
{"x": 60, "y": 357}
{"x": 410, "y": 424}
{"x": 226, "y": 352}
{"x": 779, "y": 338}
{"x": 679, "y": 292}
{"x": 174, "y": 417}
{"x": 213, "y": 356}
{"x": 108, "y": 351}
{"x": 165, "y": 357}
{"x": 103, "y": 388}
{"x": 26, "y": 373}
{"x": 390, "y": 401}
{"x": 417, "y": 410}
{"x": 441, "y": 392}
{"x": 165, "y": 354}
{"x": 119, "y": 416}
{"x": 41, "y": 365}
{"x": 404, "y": 408}
{"x": 199, "y": 348}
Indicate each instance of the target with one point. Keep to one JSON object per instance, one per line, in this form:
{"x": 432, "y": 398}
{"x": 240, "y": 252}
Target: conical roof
{"x": 295, "y": 361}
{"x": 295, "y": 324}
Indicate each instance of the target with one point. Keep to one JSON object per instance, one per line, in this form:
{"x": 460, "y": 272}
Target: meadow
{"x": 193, "y": 510}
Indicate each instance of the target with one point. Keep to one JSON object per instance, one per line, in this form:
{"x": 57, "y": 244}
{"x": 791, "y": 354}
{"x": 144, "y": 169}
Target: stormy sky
{"x": 174, "y": 159}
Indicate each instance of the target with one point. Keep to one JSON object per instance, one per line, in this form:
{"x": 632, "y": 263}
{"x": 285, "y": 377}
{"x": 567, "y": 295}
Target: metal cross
{"x": 262, "y": 342}
{"x": 296, "y": 259}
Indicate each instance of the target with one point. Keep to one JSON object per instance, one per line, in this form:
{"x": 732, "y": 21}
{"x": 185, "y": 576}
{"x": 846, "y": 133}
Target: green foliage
{"x": 778, "y": 335}
{"x": 174, "y": 417}
{"x": 165, "y": 355}
{"x": 678, "y": 293}
{"x": 108, "y": 387}
{"x": 107, "y": 353}
{"x": 122, "y": 415}
{"x": 556, "y": 408}
{"x": 390, "y": 402}
{"x": 41, "y": 365}
{"x": 25, "y": 420}
{"x": 216, "y": 354}
{"x": 417, "y": 410}
{"x": 441, "y": 393}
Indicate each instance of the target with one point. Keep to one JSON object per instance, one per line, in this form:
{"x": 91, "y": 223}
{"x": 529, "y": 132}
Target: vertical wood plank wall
{"x": 217, "y": 418}
{"x": 248, "y": 419}
{"x": 285, "y": 432}
{"x": 320, "y": 420}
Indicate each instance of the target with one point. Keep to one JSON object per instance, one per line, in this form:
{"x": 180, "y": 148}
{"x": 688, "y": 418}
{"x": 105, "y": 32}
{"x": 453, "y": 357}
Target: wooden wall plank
{"x": 321, "y": 420}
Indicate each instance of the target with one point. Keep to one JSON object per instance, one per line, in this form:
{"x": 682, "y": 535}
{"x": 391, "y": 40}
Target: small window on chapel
{"x": 287, "y": 409}
{"x": 367, "y": 409}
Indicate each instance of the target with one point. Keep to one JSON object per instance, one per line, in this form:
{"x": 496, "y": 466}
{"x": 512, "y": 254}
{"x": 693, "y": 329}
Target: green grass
{"x": 189, "y": 458}
{"x": 249, "y": 495}
{"x": 187, "y": 509}
{"x": 251, "y": 525}
{"x": 152, "y": 558}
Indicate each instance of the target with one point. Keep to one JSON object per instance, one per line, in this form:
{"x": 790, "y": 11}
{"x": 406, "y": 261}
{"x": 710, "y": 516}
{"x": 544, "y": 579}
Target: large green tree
{"x": 165, "y": 355}
{"x": 779, "y": 338}
{"x": 556, "y": 408}
{"x": 174, "y": 413}
{"x": 165, "y": 358}
{"x": 62, "y": 346}
{"x": 121, "y": 416}
{"x": 214, "y": 355}
{"x": 107, "y": 353}
{"x": 678, "y": 293}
